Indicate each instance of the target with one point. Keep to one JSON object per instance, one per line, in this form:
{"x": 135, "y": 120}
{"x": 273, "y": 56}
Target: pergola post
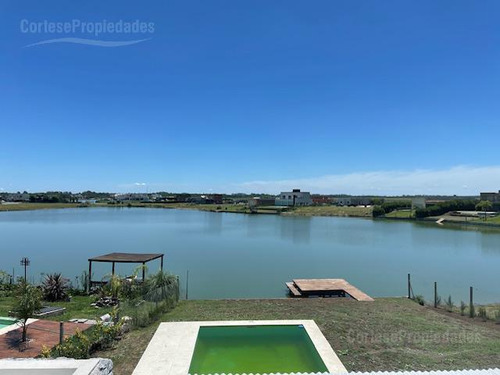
{"x": 143, "y": 271}
{"x": 113, "y": 269}
{"x": 161, "y": 263}
{"x": 90, "y": 276}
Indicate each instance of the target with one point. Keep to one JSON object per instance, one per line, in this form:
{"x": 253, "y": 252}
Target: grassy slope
{"x": 400, "y": 214}
{"x": 330, "y": 211}
{"x": 35, "y": 206}
{"x": 389, "y": 334}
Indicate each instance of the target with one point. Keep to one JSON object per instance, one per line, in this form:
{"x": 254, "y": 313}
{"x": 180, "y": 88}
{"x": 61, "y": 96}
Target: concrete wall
{"x": 59, "y": 366}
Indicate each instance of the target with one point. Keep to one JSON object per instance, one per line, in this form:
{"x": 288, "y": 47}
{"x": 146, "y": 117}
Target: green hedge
{"x": 444, "y": 207}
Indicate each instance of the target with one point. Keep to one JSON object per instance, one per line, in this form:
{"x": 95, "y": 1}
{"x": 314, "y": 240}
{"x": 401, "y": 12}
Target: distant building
{"x": 217, "y": 198}
{"x": 321, "y": 199}
{"x": 17, "y": 197}
{"x": 353, "y": 201}
{"x": 131, "y": 197}
{"x": 259, "y": 201}
{"x": 492, "y": 197}
{"x": 293, "y": 198}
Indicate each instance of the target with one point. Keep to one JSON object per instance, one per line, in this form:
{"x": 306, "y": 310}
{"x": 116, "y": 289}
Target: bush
{"x": 482, "y": 314}
{"x": 444, "y": 207}
{"x": 449, "y": 304}
{"x": 420, "y": 300}
{"x": 472, "y": 311}
{"x": 497, "y": 316}
{"x": 82, "y": 344}
{"x": 396, "y": 205}
{"x": 55, "y": 287}
{"x": 463, "y": 306}
{"x": 378, "y": 211}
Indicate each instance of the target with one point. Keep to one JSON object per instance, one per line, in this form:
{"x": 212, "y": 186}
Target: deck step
{"x": 291, "y": 287}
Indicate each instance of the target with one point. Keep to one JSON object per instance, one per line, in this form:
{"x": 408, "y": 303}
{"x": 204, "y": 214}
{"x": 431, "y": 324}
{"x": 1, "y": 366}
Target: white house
{"x": 293, "y": 198}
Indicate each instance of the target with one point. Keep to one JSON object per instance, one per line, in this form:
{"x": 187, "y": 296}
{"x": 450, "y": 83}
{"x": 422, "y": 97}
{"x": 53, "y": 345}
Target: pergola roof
{"x": 126, "y": 257}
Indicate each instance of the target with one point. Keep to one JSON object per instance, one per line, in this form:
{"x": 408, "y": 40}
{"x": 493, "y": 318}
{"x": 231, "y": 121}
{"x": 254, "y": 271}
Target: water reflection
{"x": 213, "y": 223}
{"x": 298, "y": 229}
{"x": 490, "y": 243}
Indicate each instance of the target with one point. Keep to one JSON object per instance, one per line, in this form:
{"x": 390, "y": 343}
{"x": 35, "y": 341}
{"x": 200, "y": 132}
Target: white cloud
{"x": 140, "y": 184}
{"x": 459, "y": 180}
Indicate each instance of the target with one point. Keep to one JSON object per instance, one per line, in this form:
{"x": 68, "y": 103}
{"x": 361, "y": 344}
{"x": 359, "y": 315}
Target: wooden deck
{"x": 325, "y": 288}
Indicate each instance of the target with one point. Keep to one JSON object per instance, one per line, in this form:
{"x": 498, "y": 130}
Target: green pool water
{"x": 255, "y": 349}
{"x": 4, "y": 322}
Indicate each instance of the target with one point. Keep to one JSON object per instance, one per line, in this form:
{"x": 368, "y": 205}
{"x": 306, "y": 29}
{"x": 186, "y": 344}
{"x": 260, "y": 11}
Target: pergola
{"x": 124, "y": 258}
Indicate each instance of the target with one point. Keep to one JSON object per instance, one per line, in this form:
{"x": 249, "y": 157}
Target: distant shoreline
{"x": 305, "y": 211}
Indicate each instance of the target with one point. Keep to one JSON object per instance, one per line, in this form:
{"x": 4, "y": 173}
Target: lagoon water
{"x": 251, "y": 256}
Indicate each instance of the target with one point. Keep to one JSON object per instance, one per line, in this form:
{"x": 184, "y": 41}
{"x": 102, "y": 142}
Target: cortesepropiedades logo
{"x": 102, "y": 33}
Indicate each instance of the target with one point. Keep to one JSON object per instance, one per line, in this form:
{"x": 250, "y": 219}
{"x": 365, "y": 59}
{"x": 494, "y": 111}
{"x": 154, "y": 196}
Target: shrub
{"x": 463, "y": 306}
{"x": 420, "y": 300}
{"x": 444, "y": 207}
{"x": 472, "y": 311}
{"x": 497, "y": 316}
{"x": 84, "y": 281}
{"x": 82, "y": 344}
{"x": 449, "y": 304}
{"x": 482, "y": 313}
{"x": 55, "y": 287}
{"x": 438, "y": 301}
{"x": 391, "y": 206}
{"x": 378, "y": 211}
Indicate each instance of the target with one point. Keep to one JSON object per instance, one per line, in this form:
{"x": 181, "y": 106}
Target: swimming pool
{"x": 245, "y": 346}
{"x": 5, "y": 322}
{"x": 255, "y": 349}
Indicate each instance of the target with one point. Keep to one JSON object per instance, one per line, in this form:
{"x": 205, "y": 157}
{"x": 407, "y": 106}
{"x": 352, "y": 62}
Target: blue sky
{"x": 363, "y": 97}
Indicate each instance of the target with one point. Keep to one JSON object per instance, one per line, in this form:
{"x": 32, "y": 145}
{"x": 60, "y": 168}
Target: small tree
{"x": 484, "y": 206}
{"x": 378, "y": 211}
{"x": 28, "y": 301}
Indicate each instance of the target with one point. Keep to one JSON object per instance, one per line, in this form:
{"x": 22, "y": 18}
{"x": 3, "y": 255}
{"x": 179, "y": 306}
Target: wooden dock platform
{"x": 325, "y": 288}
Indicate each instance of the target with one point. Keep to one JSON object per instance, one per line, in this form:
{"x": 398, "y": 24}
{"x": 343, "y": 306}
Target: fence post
{"x": 409, "y": 286}
{"x": 178, "y": 289}
{"x": 61, "y": 332}
{"x": 435, "y": 294}
{"x": 187, "y": 284}
{"x": 471, "y": 303}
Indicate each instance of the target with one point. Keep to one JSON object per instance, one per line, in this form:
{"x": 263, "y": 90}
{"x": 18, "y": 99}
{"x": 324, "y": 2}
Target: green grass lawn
{"x": 36, "y": 206}
{"x": 494, "y": 220}
{"x": 330, "y": 211}
{"x": 79, "y": 307}
{"x": 388, "y": 334}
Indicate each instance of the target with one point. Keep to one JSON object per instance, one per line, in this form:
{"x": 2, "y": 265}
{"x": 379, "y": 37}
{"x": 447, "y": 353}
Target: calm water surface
{"x": 249, "y": 256}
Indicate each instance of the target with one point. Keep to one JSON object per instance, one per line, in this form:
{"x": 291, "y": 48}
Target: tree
{"x": 28, "y": 301}
{"x": 378, "y": 211}
{"x": 484, "y": 206}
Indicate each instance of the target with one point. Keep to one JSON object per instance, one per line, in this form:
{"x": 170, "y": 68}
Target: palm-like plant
{"x": 162, "y": 286}
{"x": 55, "y": 287}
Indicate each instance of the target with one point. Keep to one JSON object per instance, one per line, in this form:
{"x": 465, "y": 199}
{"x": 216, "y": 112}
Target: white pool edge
{"x": 170, "y": 350}
{"x": 14, "y": 326}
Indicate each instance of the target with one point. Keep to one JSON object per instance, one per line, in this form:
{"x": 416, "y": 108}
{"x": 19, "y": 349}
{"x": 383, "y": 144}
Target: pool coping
{"x": 170, "y": 350}
{"x": 15, "y": 325}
